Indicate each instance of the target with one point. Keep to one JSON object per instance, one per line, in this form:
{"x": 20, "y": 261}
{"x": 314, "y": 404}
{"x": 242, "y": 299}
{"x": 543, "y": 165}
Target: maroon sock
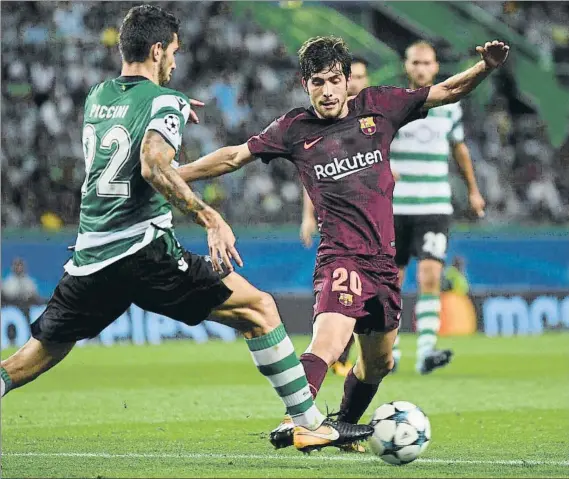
{"x": 315, "y": 369}
{"x": 346, "y": 354}
{"x": 357, "y": 397}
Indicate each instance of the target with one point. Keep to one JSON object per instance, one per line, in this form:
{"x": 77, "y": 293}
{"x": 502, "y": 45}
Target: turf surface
{"x": 181, "y": 409}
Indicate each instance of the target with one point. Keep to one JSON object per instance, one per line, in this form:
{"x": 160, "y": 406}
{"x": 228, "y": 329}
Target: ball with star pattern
{"x": 172, "y": 123}
{"x": 402, "y": 432}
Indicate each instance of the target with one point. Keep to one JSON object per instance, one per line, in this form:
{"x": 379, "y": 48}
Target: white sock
{"x": 427, "y": 312}
{"x": 3, "y": 386}
{"x": 310, "y": 419}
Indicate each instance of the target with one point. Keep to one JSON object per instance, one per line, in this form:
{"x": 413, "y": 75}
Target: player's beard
{"x": 163, "y": 75}
{"x": 335, "y": 113}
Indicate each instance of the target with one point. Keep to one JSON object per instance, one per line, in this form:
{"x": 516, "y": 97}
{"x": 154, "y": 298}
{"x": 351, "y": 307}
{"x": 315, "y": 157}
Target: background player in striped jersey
{"x": 126, "y": 250}
{"x": 422, "y": 200}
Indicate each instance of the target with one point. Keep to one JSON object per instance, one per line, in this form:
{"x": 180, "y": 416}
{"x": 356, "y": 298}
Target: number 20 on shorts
{"x": 340, "y": 276}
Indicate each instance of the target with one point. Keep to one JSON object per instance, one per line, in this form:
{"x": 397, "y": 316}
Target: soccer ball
{"x": 401, "y": 432}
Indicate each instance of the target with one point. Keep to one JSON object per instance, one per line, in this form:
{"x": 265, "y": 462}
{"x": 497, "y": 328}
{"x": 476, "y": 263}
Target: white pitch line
{"x": 517, "y": 462}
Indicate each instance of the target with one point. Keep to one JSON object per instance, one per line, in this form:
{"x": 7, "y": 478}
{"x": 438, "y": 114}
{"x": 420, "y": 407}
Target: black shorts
{"x": 421, "y": 236}
{"x": 153, "y": 279}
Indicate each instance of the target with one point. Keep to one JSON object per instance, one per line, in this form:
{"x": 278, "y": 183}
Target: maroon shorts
{"x": 365, "y": 289}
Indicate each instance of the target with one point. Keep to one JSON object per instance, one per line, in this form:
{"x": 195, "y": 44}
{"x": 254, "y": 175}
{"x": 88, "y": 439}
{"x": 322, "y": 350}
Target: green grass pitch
{"x": 501, "y": 409}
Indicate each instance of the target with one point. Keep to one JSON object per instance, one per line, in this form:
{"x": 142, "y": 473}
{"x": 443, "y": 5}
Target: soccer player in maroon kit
{"x": 341, "y": 150}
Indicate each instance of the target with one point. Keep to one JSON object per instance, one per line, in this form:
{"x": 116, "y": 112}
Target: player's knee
{"x": 429, "y": 278}
{"x": 268, "y": 309}
{"x": 262, "y": 314}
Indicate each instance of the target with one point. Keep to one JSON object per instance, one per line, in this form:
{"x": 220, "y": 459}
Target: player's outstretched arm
{"x": 222, "y": 161}
{"x": 156, "y": 156}
{"x": 457, "y": 86}
{"x": 308, "y": 226}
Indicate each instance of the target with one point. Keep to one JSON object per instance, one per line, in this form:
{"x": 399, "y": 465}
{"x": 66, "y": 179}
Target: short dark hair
{"x": 143, "y": 27}
{"x": 318, "y": 53}
{"x": 356, "y": 59}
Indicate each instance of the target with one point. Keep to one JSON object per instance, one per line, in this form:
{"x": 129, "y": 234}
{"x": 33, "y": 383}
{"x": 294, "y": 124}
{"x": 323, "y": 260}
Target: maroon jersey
{"x": 344, "y": 166}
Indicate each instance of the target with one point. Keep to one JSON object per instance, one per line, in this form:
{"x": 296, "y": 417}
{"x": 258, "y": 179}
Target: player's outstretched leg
{"x": 30, "y": 361}
{"x": 427, "y": 313}
{"x": 330, "y": 334}
{"x": 375, "y": 361}
{"x": 255, "y": 314}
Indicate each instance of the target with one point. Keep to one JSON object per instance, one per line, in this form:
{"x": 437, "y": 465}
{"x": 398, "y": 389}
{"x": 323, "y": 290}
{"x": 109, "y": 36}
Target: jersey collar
{"x": 131, "y": 79}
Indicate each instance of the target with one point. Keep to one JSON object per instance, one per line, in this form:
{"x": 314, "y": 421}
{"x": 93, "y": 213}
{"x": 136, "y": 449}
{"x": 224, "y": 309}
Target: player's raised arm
{"x": 456, "y": 87}
{"x": 156, "y": 156}
{"x": 222, "y": 161}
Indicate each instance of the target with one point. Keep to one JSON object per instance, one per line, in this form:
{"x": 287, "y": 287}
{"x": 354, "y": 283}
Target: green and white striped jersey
{"x": 118, "y": 205}
{"x": 420, "y": 153}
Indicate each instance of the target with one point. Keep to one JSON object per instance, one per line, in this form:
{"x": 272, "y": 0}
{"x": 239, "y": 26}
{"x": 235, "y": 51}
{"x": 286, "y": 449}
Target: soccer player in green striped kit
{"x": 127, "y": 252}
{"x": 422, "y": 201}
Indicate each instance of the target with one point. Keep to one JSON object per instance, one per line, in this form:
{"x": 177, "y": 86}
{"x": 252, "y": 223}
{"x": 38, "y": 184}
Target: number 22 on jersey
{"x": 115, "y": 142}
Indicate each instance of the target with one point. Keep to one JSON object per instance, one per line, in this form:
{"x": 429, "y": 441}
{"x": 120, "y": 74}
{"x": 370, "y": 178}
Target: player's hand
{"x": 308, "y": 229}
{"x": 477, "y": 203}
{"x": 396, "y": 176}
{"x": 494, "y": 53}
{"x": 193, "y": 115}
{"x": 221, "y": 242}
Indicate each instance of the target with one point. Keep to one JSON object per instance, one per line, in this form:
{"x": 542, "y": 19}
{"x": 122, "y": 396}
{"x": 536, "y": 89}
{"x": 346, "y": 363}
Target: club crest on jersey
{"x": 367, "y": 125}
{"x": 346, "y": 299}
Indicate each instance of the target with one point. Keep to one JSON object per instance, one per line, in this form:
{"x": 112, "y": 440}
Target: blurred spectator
{"x": 18, "y": 287}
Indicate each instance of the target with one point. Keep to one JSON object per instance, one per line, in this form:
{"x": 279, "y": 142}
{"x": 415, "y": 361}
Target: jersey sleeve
{"x": 271, "y": 143}
{"x": 399, "y": 105}
{"x": 168, "y": 116}
{"x": 456, "y": 134}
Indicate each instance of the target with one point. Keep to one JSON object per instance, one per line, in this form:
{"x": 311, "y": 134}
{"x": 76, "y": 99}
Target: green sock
{"x": 427, "y": 313}
{"x": 276, "y": 359}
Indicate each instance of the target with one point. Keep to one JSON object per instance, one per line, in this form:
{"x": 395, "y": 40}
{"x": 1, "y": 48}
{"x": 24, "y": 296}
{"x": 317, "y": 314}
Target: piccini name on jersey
{"x": 108, "y": 112}
{"x": 338, "y": 169}
{"x": 172, "y": 124}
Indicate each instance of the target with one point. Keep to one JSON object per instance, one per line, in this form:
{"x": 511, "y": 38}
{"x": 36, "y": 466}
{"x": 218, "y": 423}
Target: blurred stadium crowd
{"x": 53, "y": 52}
{"x": 544, "y": 24}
